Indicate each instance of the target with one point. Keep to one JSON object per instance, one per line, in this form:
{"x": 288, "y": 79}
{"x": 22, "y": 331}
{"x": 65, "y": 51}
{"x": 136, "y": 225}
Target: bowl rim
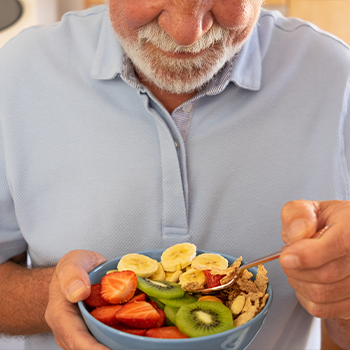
{"x": 86, "y": 313}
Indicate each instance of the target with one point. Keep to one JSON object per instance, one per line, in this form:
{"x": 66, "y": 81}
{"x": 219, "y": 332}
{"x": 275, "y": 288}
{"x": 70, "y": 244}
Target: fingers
{"x": 66, "y": 323}
{"x": 299, "y": 220}
{"x": 322, "y": 293}
{"x": 333, "y": 271}
{"x": 72, "y": 273}
{"x": 318, "y": 268}
{"x": 335, "y": 310}
{"x": 313, "y": 253}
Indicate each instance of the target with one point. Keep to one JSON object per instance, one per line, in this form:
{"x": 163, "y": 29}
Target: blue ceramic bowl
{"x": 237, "y": 338}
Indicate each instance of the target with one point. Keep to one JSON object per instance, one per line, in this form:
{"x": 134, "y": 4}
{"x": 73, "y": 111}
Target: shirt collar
{"x": 109, "y": 58}
{"x": 247, "y": 65}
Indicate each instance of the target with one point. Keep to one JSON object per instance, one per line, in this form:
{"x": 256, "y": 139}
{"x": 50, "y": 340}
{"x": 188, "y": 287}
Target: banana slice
{"x": 207, "y": 261}
{"x": 173, "y": 276}
{"x": 142, "y": 265}
{"x": 192, "y": 280}
{"x": 178, "y": 256}
{"x": 159, "y": 275}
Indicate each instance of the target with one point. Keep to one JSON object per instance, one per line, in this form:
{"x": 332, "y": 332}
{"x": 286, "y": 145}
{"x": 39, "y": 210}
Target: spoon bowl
{"x": 256, "y": 262}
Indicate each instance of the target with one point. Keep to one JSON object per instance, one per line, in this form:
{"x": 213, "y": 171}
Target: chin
{"x": 182, "y": 75}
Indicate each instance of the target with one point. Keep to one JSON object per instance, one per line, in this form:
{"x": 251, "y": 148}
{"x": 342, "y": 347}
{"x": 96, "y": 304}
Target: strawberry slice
{"x": 170, "y": 332}
{"x": 212, "y": 280}
{"x": 106, "y": 314}
{"x": 154, "y": 304}
{"x": 138, "y": 314}
{"x": 118, "y": 287}
{"x": 138, "y": 297}
{"x": 131, "y": 330}
{"x": 161, "y": 321}
{"x": 95, "y": 299}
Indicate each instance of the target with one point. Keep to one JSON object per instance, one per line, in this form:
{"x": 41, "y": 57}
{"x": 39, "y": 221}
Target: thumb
{"x": 72, "y": 273}
{"x": 299, "y": 220}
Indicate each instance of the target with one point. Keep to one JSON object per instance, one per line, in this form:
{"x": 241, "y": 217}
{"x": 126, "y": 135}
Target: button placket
{"x": 174, "y": 213}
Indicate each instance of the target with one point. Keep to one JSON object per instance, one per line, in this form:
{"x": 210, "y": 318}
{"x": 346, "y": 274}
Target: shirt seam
{"x": 76, "y": 14}
{"x": 306, "y": 24}
{"x": 345, "y": 161}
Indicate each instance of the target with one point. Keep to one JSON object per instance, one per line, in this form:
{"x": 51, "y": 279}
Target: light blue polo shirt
{"x": 89, "y": 159}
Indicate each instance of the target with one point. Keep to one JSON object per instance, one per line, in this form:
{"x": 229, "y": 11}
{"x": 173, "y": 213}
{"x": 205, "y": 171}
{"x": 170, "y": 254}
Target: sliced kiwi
{"x": 160, "y": 289}
{"x": 170, "y": 313}
{"x": 203, "y": 318}
{"x": 160, "y": 304}
{"x": 186, "y": 299}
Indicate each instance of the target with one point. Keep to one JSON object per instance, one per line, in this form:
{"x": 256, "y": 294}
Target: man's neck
{"x": 169, "y": 100}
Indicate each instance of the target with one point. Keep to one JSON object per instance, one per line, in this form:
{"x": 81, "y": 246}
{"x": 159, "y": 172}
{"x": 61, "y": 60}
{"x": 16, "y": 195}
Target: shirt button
{"x": 176, "y": 143}
{"x": 187, "y": 107}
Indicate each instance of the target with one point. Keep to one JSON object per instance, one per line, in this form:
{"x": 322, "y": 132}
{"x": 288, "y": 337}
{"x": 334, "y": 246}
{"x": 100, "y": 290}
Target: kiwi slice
{"x": 186, "y": 299}
{"x": 203, "y": 318}
{"x": 170, "y": 313}
{"x": 160, "y": 289}
{"x": 160, "y": 305}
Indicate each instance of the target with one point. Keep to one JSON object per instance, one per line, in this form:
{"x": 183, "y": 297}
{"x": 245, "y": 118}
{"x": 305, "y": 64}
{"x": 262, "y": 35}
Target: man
{"x": 202, "y": 132}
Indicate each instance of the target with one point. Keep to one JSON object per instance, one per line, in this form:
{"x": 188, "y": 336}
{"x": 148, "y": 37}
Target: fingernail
{"x": 290, "y": 261}
{"x": 76, "y": 287}
{"x": 296, "y": 228}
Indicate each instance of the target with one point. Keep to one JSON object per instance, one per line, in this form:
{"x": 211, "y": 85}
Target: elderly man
{"x": 152, "y": 122}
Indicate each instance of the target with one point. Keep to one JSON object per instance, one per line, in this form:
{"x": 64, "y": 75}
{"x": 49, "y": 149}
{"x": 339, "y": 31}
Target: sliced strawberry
{"x": 154, "y": 304}
{"x": 118, "y": 287}
{"x": 138, "y": 314}
{"x": 131, "y": 330}
{"x": 95, "y": 299}
{"x": 161, "y": 321}
{"x": 212, "y": 280}
{"x": 138, "y": 297}
{"x": 170, "y": 332}
{"x": 106, "y": 314}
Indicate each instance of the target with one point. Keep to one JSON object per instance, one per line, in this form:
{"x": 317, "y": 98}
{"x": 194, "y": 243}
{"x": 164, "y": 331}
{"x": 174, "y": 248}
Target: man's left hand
{"x": 318, "y": 268}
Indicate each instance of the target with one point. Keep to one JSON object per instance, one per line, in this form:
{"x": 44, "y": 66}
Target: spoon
{"x": 256, "y": 262}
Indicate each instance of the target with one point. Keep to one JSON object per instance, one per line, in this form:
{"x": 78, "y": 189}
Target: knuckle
{"x": 336, "y": 270}
{"x": 287, "y": 207}
{"x": 64, "y": 339}
{"x": 345, "y": 240}
{"x": 66, "y": 270}
{"x": 318, "y": 293}
{"x": 346, "y": 263}
{"x": 328, "y": 274}
{"x": 317, "y": 310}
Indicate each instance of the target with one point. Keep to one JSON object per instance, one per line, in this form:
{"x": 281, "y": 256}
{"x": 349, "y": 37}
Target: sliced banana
{"x": 192, "y": 280}
{"x": 111, "y": 271}
{"x": 159, "y": 275}
{"x": 142, "y": 265}
{"x": 207, "y": 261}
{"x": 178, "y": 256}
{"x": 173, "y": 276}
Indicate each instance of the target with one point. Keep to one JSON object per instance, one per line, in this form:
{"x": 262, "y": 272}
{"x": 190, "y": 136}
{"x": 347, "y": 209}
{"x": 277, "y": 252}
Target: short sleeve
{"x": 346, "y": 131}
{"x": 11, "y": 240}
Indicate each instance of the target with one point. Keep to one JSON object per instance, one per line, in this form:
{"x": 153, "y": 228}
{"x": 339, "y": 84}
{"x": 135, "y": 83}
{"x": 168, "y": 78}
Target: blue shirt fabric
{"x": 89, "y": 159}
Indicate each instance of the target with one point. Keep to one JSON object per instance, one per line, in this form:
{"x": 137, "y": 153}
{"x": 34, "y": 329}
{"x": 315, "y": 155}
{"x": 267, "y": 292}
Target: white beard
{"x": 179, "y": 75}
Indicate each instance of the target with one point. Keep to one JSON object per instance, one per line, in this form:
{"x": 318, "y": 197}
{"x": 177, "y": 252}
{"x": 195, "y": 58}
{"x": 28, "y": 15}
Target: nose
{"x": 185, "y": 20}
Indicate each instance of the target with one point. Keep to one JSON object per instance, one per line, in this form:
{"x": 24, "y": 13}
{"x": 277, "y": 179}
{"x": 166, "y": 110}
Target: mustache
{"x": 153, "y": 33}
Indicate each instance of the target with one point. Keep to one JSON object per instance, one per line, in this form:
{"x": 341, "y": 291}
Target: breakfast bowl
{"x": 237, "y": 338}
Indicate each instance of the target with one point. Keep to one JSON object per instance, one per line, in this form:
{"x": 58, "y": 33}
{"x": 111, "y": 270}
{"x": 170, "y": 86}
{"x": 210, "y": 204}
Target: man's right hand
{"x": 70, "y": 283}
